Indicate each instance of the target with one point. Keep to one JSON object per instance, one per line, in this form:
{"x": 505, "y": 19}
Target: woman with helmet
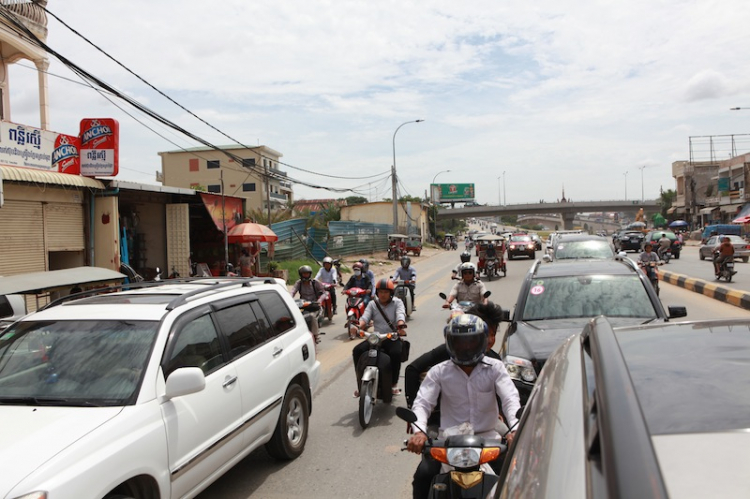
{"x": 407, "y": 273}
{"x": 467, "y": 385}
{"x": 469, "y": 288}
{"x": 359, "y": 280}
{"x": 465, "y": 258}
{"x": 328, "y": 275}
{"x": 386, "y": 314}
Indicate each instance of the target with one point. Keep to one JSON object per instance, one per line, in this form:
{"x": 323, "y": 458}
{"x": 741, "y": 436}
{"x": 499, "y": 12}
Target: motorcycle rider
{"x": 370, "y": 273}
{"x": 461, "y": 384}
{"x": 465, "y": 258}
{"x": 648, "y": 255}
{"x": 723, "y": 253}
{"x": 664, "y": 245}
{"x": 382, "y": 311}
{"x": 328, "y": 275}
{"x": 490, "y": 252}
{"x": 407, "y": 273}
{"x": 468, "y": 288}
{"x": 359, "y": 280}
{"x": 311, "y": 290}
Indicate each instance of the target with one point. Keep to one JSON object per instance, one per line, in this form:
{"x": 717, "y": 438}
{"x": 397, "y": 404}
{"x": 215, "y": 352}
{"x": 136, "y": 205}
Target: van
{"x": 12, "y": 308}
{"x": 728, "y": 229}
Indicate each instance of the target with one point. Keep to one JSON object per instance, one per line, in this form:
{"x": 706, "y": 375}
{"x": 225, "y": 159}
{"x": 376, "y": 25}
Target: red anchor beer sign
{"x": 99, "y": 147}
{"x": 65, "y": 157}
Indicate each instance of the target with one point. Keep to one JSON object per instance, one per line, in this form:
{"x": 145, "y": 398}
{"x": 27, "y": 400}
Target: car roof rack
{"x": 214, "y": 283}
{"x": 617, "y": 437}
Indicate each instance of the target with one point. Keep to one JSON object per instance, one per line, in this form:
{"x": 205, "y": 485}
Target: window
{"x": 250, "y": 187}
{"x": 193, "y": 164}
{"x": 196, "y": 345}
{"x": 5, "y": 309}
{"x": 212, "y": 164}
{"x": 242, "y": 328}
{"x": 248, "y": 162}
{"x": 278, "y": 313}
{"x": 215, "y": 188}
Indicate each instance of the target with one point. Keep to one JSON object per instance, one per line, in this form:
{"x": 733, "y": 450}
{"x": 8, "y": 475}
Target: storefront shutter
{"x": 21, "y": 238}
{"x": 64, "y": 224}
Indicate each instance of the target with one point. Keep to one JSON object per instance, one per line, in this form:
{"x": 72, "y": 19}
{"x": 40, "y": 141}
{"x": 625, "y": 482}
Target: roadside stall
{"x": 249, "y": 237}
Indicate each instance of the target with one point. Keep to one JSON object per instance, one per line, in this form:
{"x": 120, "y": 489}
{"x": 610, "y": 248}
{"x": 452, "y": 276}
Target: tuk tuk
{"x": 449, "y": 242}
{"x": 396, "y": 246}
{"x": 487, "y": 265}
{"x": 413, "y": 244}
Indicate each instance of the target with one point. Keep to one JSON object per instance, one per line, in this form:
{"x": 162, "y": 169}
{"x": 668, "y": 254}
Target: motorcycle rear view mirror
{"x": 443, "y": 296}
{"x": 487, "y": 293}
{"x": 406, "y": 414}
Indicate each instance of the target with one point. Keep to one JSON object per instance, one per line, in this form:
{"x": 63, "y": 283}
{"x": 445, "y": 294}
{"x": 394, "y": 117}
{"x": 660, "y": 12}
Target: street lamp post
{"x": 642, "y": 196}
{"x": 432, "y": 190}
{"x": 394, "y": 179}
{"x": 505, "y": 197}
{"x": 626, "y": 185}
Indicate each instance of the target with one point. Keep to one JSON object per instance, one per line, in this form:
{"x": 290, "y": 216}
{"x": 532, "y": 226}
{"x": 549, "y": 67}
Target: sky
{"x": 522, "y": 99}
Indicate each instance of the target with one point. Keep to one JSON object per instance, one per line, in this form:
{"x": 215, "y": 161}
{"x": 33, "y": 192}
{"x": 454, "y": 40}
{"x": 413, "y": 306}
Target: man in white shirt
{"x": 327, "y": 274}
{"x": 467, "y": 386}
{"x": 468, "y": 288}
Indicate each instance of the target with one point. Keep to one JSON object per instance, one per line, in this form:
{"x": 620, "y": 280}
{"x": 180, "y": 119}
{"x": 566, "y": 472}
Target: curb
{"x": 724, "y": 294}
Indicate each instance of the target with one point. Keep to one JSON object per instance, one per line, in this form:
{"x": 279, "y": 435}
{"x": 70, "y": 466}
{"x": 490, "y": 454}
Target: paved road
{"x": 341, "y": 460}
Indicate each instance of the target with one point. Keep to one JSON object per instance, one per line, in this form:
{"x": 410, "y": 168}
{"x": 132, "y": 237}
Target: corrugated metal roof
{"x": 20, "y": 174}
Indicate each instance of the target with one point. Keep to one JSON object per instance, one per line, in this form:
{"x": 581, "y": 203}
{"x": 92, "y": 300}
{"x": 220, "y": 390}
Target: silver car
{"x": 741, "y": 247}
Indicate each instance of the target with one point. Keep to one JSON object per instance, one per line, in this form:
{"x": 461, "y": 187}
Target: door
{"x": 202, "y": 428}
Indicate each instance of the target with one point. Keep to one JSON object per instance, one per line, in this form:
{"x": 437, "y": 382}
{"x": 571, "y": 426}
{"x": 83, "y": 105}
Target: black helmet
{"x": 386, "y": 283}
{"x": 405, "y": 262}
{"x": 466, "y": 339}
{"x": 365, "y": 264}
{"x": 465, "y": 257}
{"x": 305, "y": 269}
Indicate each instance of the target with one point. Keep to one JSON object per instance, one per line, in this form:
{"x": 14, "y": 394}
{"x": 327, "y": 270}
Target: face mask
{"x": 357, "y": 272}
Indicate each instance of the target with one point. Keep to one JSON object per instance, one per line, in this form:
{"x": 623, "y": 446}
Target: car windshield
{"x": 520, "y": 239}
{"x": 588, "y": 296}
{"x": 74, "y": 363}
{"x": 711, "y": 362}
{"x": 583, "y": 249}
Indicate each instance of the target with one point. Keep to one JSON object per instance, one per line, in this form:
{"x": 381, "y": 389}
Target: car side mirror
{"x": 184, "y": 381}
{"x": 506, "y": 316}
{"x": 546, "y": 259}
{"x": 676, "y": 311}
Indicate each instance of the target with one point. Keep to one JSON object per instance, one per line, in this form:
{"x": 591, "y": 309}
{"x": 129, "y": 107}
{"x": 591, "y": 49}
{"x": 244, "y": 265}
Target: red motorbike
{"x": 327, "y": 301}
{"x": 355, "y": 307}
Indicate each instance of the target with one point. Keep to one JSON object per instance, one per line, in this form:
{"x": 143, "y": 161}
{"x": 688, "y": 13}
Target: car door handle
{"x": 277, "y": 351}
{"x": 229, "y": 381}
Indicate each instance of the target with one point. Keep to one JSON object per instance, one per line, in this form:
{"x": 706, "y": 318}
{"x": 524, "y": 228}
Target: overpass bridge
{"x": 567, "y": 210}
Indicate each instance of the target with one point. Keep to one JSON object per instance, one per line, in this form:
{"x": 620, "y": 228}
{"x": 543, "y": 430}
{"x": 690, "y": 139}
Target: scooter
{"x": 466, "y": 472}
{"x": 312, "y": 312}
{"x": 652, "y": 273}
{"x": 460, "y": 307}
{"x": 665, "y": 255}
{"x": 355, "y": 306}
{"x": 375, "y": 381}
{"x": 403, "y": 293}
{"x": 327, "y": 302}
{"x": 490, "y": 267}
{"x": 726, "y": 271}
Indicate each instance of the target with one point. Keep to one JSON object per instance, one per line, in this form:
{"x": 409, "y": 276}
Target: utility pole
{"x": 268, "y": 190}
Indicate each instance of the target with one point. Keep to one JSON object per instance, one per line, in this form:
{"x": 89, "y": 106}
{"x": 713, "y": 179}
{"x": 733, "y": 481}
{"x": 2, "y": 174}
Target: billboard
{"x": 453, "y": 193}
{"x": 99, "y": 147}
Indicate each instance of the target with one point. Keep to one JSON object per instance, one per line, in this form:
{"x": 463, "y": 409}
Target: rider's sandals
{"x": 395, "y": 391}
{"x": 356, "y": 394}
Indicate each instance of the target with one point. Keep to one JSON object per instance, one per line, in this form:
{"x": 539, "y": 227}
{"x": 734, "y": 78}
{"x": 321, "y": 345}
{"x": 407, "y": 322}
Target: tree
{"x": 353, "y": 200}
{"x": 666, "y": 199}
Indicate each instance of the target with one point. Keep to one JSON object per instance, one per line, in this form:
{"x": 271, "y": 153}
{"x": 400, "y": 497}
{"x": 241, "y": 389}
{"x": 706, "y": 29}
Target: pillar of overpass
{"x": 568, "y": 220}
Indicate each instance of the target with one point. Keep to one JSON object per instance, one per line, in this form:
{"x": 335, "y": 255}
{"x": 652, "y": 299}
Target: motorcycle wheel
{"x": 728, "y": 276}
{"x": 489, "y": 274}
{"x": 366, "y": 399}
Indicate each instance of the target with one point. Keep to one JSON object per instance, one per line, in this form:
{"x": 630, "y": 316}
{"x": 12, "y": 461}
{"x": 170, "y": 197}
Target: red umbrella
{"x": 250, "y": 232}
{"x": 742, "y": 220}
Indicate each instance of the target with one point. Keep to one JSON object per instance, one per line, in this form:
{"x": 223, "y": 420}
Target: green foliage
{"x": 666, "y": 199}
{"x": 354, "y": 200}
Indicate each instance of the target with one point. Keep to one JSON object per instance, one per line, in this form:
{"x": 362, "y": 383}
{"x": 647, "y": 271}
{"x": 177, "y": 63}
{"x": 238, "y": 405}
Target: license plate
{"x": 372, "y": 353}
{"x": 730, "y": 265}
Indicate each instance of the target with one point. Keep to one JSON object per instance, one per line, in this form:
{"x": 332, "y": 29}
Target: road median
{"x": 735, "y": 297}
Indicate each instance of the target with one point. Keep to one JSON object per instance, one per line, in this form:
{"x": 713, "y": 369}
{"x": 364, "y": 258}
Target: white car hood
{"x": 30, "y": 436}
{"x": 700, "y": 465}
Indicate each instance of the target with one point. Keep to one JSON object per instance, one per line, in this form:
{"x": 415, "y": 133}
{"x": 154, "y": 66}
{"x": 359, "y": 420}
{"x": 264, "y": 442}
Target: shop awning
{"x": 730, "y": 208}
{"x": 44, "y": 282}
{"x": 706, "y": 211}
{"x": 20, "y": 174}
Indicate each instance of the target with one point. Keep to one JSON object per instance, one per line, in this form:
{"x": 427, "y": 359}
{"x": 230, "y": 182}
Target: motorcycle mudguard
{"x": 452, "y": 489}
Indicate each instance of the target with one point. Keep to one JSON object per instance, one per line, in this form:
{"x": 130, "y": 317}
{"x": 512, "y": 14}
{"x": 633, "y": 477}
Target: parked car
{"x": 581, "y": 247}
{"x": 153, "y": 392}
{"x": 557, "y": 299}
{"x": 628, "y": 240}
{"x": 741, "y": 247}
{"x": 615, "y": 414}
{"x": 12, "y": 308}
{"x": 654, "y": 236}
{"x": 521, "y": 244}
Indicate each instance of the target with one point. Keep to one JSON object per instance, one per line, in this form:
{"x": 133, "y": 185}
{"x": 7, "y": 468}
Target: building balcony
{"x": 278, "y": 197}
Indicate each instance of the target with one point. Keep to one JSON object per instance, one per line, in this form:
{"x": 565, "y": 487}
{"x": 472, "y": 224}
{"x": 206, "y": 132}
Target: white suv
{"x": 153, "y": 392}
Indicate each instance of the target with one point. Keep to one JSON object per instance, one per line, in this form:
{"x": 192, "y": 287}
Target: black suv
{"x": 628, "y": 240}
{"x": 557, "y": 299}
{"x": 626, "y": 412}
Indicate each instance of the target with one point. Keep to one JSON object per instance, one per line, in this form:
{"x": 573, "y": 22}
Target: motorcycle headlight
{"x": 463, "y": 457}
{"x": 520, "y": 369}
{"x": 373, "y": 339}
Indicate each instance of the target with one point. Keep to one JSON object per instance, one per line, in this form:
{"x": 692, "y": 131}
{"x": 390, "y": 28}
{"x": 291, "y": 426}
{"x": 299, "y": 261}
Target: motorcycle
{"x": 490, "y": 268}
{"x": 375, "y": 380}
{"x": 327, "y": 302}
{"x": 355, "y": 306}
{"x": 726, "y": 271}
{"x": 460, "y": 307}
{"x": 465, "y": 472}
{"x": 665, "y": 255}
{"x": 312, "y": 312}
{"x": 403, "y": 293}
{"x": 652, "y": 273}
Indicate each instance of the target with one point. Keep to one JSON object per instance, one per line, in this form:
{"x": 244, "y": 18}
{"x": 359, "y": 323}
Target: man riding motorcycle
{"x": 468, "y": 288}
{"x": 309, "y": 289}
{"x": 723, "y": 253}
{"x": 407, "y": 273}
{"x": 664, "y": 245}
{"x": 465, "y": 258}
{"x": 328, "y": 275}
{"x": 366, "y": 270}
{"x": 384, "y": 312}
{"x": 458, "y": 382}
